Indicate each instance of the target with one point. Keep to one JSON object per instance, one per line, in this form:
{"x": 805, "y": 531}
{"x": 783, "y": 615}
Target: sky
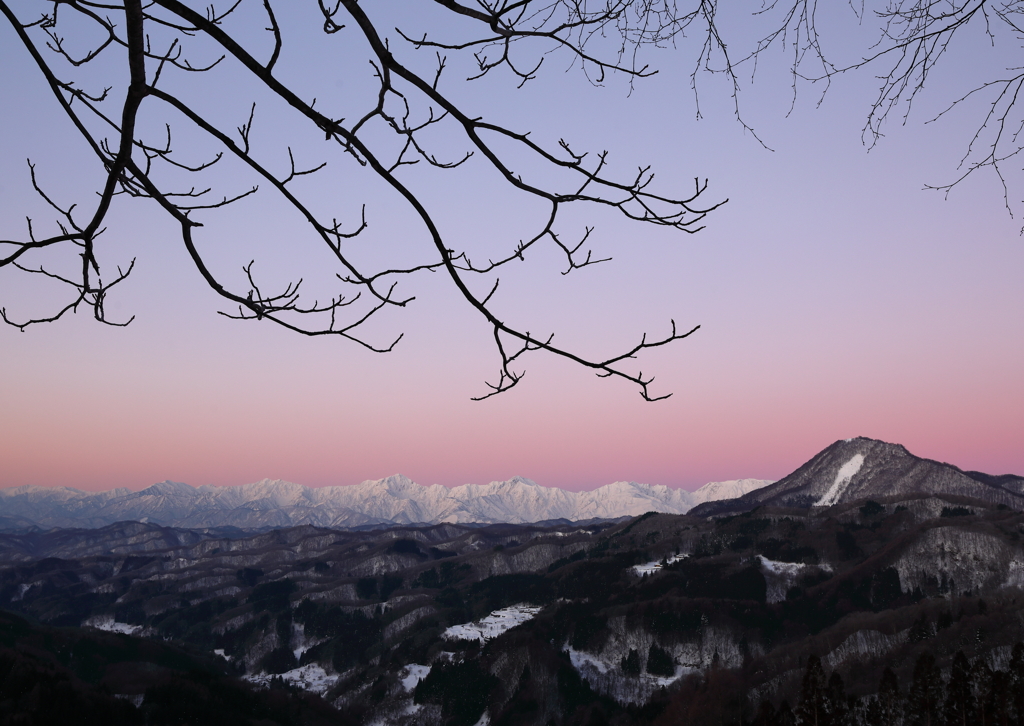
{"x": 836, "y": 296}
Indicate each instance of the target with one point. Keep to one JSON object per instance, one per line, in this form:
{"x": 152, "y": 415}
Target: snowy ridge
{"x": 394, "y": 500}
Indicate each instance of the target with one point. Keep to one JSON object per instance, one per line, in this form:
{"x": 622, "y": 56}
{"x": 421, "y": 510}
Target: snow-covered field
{"x": 311, "y": 677}
{"x": 651, "y": 567}
{"x": 493, "y": 625}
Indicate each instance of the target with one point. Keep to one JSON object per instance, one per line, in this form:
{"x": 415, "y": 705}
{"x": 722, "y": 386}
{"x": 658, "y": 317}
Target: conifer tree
{"x": 631, "y": 663}
{"x": 785, "y": 716}
{"x": 766, "y": 715}
{"x": 836, "y": 701}
{"x": 960, "y": 702}
{"x": 1017, "y": 683}
{"x": 886, "y": 706}
{"x": 813, "y": 707}
{"x": 999, "y": 702}
{"x": 980, "y": 679}
{"x": 924, "y": 702}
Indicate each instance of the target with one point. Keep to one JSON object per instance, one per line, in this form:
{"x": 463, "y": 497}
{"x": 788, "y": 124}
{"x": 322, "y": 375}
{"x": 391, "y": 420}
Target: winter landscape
{"x": 869, "y": 587}
{"x": 511, "y": 363}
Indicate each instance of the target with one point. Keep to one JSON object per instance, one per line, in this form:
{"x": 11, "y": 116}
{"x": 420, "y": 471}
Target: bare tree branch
{"x": 165, "y": 41}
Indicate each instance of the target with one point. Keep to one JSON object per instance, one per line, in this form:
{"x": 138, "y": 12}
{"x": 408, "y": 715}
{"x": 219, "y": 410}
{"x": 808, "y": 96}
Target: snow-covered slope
{"x": 394, "y": 500}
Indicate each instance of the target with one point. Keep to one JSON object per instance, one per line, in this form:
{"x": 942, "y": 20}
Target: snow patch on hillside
{"x": 107, "y": 623}
{"x": 492, "y": 625}
{"x": 963, "y": 559}
{"x": 780, "y": 576}
{"x": 865, "y": 644}
{"x": 602, "y": 668}
{"x": 650, "y": 568}
{"x": 412, "y": 674}
{"x": 22, "y": 589}
{"x": 582, "y": 661}
{"x": 846, "y": 472}
{"x": 311, "y": 677}
{"x": 608, "y": 678}
{"x": 300, "y": 642}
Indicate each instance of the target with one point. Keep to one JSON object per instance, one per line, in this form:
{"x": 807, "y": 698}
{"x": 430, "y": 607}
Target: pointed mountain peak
{"x": 396, "y": 483}
{"x": 168, "y": 487}
{"x": 516, "y": 481}
{"x": 861, "y": 468}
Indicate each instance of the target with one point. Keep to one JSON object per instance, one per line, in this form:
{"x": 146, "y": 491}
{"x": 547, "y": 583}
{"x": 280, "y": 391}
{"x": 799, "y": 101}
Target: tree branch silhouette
{"x": 162, "y": 42}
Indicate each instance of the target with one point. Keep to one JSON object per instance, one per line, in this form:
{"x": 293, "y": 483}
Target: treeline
{"x": 970, "y": 693}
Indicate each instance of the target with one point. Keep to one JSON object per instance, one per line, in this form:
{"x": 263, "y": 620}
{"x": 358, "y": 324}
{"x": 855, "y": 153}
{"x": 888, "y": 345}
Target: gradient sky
{"x": 837, "y": 298}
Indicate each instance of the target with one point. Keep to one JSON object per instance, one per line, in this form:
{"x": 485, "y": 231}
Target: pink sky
{"x": 836, "y": 299}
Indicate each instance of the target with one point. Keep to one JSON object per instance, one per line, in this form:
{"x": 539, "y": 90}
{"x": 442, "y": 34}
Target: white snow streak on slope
{"x": 302, "y": 642}
{"x": 493, "y": 625}
{"x": 22, "y": 589}
{"x": 843, "y": 476}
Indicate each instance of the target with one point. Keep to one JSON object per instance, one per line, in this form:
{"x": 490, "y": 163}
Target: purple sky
{"x": 836, "y": 299}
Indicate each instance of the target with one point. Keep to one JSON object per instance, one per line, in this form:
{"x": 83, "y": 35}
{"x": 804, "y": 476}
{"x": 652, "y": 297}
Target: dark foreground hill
{"x": 902, "y": 610}
{"x": 87, "y": 677}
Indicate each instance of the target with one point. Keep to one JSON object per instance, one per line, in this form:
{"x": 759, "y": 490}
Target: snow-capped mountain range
{"x": 394, "y": 500}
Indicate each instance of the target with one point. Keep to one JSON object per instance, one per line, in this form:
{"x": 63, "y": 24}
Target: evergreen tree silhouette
{"x": 837, "y": 704}
{"x": 960, "y": 702}
{"x": 924, "y": 702}
{"x": 813, "y": 707}
{"x": 980, "y": 679}
{"x": 886, "y": 707}
{"x": 1016, "y": 685}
